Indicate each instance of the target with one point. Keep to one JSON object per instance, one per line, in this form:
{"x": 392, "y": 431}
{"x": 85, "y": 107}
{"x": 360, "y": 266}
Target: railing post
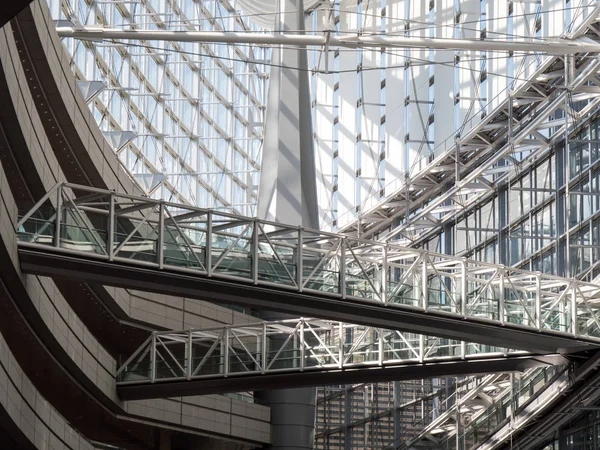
{"x": 263, "y": 350}
{"x": 384, "y": 276}
{"x": 209, "y": 244}
{"x": 380, "y": 344}
{"x": 538, "y": 301}
{"x": 255, "y": 252}
{"x": 190, "y": 355}
{"x": 161, "y": 234}
{"x": 501, "y": 304}
{"x": 299, "y": 261}
{"x": 574, "y": 324}
{"x": 57, "y": 223}
{"x": 463, "y": 289}
{"x": 226, "y": 352}
{"x": 342, "y": 279}
{"x": 111, "y": 227}
{"x": 341, "y": 344}
{"x": 302, "y": 349}
{"x": 153, "y": 358}
{"x": 424, "y": 283}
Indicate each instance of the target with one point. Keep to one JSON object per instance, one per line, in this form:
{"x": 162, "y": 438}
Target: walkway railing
{"x": 299, "y": 345}
{"x": 105, "y": 225}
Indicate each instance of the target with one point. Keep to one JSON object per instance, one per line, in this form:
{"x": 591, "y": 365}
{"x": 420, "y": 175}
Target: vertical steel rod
{"x": 302, "y": 349}
{"x": 57, "y": 223}
{"x": 501, "y": 305}
{"x": 190, "y": 354}
{"x": 255, "y": 251}
{"x": 161, "y": 234}
{"x": 341, "y": 345}
{"x": 299, "y": 260}
{"x": 342, "y": 280}
{"x": 384, "y": 276}
{"x": 463, "y": 290}
{"x": 153, "y": 358}
{"x": 226, "y": 352}
{"x": 209, "y": 244}
{"x": 111, "y": 227}
{"x": 264, "y": 361}
{"x": 424, "y": 283}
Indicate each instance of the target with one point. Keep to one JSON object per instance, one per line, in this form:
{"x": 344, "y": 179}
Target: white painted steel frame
{"x": 484, "y": 409}
{"x": 515, "y": 133}
{"x": 247, "y": 250}
{"x": 558, "y": 46}
{"x": 166, "y": 138}
{"x": 291, "y": 346}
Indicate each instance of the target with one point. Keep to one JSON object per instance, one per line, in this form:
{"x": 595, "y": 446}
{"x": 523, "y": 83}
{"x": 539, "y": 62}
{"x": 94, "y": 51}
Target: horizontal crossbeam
{"x": 557, "y": 46}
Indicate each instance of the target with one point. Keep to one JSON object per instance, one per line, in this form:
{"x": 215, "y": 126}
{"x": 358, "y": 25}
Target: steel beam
{"x": 49, "y": 262}
{"x": 557, "y": 46}
{"x": 286, "y": 380}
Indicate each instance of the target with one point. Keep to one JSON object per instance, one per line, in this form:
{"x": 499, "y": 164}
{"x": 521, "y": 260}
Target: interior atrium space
{"x": 300, "y": 224}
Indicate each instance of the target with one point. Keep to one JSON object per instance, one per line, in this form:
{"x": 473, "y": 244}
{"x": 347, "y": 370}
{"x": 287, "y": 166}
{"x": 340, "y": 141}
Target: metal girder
{"x": 301, "y": 352}
{"x": 152, "y": 245}
{"x": 520, "y": 125}
{"x": 557, "y": 46}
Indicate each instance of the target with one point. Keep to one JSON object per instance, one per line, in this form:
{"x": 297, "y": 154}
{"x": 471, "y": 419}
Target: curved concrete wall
{"x": 27, "y": 416}
{"x": 215, "y": 414}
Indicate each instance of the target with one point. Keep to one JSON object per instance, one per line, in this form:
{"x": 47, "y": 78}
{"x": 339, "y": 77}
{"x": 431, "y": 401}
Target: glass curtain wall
{"x": 186, "y": 119}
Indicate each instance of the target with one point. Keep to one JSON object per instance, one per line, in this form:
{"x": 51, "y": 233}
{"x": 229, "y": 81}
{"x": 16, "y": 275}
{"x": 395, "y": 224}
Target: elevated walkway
{"x": 302, "y": 352}
{"x": 137, "y": 242}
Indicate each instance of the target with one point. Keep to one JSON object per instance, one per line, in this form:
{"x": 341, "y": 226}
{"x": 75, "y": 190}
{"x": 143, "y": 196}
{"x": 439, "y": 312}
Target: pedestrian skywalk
{"x": 138, "y": 242}
{"x": 299, "y": 352}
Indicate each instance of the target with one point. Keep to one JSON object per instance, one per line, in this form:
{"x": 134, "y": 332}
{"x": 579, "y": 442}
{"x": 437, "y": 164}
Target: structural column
{"x": 288, "y": 194}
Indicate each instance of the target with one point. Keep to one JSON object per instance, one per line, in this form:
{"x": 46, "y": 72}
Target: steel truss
{"x": 111, "y": 236}
{"x": 558, "y": 46}
{"x": 502, "y": 404}
{"x": 533, "y": 117}
{"x": 287, "y": 352}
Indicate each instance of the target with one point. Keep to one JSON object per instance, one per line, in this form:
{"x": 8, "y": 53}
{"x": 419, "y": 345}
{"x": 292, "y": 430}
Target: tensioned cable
{"x": 375, "y": 68}
{"x": 428, "y": 62}
{"x": 428, "y": 25}
{"x": 381, "y": 67}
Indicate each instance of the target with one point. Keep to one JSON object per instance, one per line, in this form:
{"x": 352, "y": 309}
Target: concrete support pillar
{"x": 292, "y": 417}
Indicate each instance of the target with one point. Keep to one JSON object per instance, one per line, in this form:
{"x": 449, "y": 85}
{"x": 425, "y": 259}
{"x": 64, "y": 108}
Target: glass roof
{"x": 185, "y": 118}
